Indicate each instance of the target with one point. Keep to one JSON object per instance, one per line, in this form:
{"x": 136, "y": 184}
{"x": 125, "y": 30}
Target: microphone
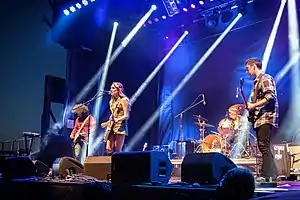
{"x": 237, "y": 93}
{"x": 105, "y": 91}
{"x": 204, "y": 102}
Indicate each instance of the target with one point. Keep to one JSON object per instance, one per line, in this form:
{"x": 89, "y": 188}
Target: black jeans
{"x": 263, "y": 134}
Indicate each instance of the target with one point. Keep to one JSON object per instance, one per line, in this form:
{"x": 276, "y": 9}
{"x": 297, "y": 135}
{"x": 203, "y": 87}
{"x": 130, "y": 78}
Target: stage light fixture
{"x": 66, "y": 12}
{"x": 241, "y": 4}
{"x": 77, "y": 5}
{"x": 85, "y": 2}
{"x": 72, "y": 9}
{"x": 171, "y": 7}
{"x": 226, "y": 16}
{"x": 212, "y": 21}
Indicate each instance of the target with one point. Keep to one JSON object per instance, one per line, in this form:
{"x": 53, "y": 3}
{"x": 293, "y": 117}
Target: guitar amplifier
{"x": 294, "y": 152}
{"x": 282, "y": 159}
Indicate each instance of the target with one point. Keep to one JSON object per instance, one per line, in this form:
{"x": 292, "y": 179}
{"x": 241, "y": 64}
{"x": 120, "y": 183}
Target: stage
{"x": 81, "y": 187}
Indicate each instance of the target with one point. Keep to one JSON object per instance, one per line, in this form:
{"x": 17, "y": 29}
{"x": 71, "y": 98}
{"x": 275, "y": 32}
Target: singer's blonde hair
{"x": 121, "y": 92}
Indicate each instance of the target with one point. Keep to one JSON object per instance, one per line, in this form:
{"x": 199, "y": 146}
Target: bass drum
{"x": 212, "y": 143}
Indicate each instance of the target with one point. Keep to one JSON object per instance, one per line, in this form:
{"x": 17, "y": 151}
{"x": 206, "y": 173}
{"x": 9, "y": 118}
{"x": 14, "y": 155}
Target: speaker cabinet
{"x": 140, "y": 167}
{"x": 294, "y": 151}
{"x": 98, "y": 167}
{"x": 17, "y": 167}
{"x": 205, "y": 168}
{"x": 66, "y": 166}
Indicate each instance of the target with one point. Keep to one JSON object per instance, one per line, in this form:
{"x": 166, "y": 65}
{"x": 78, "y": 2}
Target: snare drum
{"x": 212, "y": 143}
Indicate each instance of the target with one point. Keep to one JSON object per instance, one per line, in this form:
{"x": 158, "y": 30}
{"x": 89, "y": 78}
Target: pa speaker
{"x": 66, "y": 166}
{"x": 140, "y": 167}
{"x": 17, "y": 167}
{"x": 98, "y": 167}
{"x": 205, "y": 168}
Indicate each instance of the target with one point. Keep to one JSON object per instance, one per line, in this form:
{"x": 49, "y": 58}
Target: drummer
{"x": 230, "y": 123}
{"x": 229, "y": 126}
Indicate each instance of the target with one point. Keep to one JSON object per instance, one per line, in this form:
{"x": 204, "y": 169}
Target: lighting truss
{"x": 77, "y": 6}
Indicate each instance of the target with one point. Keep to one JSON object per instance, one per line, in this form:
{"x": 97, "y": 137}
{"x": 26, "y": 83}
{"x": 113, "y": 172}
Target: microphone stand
{"x": 181, "y": 124}
{"x": 99, "y": 94}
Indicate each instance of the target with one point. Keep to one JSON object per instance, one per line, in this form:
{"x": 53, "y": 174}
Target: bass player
{"x": 84, "y": 125}
{"x": 263, "y": 114}
{"x": 117, "y": 125}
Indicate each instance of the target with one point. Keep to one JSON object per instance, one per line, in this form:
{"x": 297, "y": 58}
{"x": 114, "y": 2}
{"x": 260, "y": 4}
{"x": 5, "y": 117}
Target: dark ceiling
{"x": 94, "y": 22}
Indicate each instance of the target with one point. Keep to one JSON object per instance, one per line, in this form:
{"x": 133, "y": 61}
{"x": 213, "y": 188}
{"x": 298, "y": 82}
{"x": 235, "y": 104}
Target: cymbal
{"x": 204, "y": 125}
{"x": 199, "y": 117}
{"x": 240, "y": 108}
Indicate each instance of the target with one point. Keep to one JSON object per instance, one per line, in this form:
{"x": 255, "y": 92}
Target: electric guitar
{"x": 110, "y": 125}
{"x": 251, "y": 113}
{"x": 78, "y": 133}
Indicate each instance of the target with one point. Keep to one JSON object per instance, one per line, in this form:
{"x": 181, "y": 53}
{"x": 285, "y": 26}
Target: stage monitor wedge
{"x": 205, "y": 168}
{"x": 62, "y": 167}
{"x": 139, "y": 167}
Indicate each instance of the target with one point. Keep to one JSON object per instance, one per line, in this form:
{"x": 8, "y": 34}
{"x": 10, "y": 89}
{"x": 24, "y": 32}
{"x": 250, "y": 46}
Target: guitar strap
{"x": 255, "y": 88}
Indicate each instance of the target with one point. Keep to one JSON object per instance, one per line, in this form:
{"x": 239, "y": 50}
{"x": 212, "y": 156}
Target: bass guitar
{"x": 251, "y": 113}
{"x": 110, "y": 124}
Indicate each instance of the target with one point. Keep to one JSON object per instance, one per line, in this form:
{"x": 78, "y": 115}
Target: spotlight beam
{"x": 105, "y": 71}
{"x": 271, "y": 40}
{"x": 153, "y": 118}
{"x": 156, "y": 70}
{"x": 116, "y": 53}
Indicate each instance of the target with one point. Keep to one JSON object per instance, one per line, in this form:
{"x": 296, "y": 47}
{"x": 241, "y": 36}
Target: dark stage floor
{"x": 81, "y": 187}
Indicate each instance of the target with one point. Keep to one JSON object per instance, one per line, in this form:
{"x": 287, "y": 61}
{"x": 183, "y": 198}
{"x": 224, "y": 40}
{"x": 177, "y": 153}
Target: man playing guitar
{"x": 263, "y": 113}
{"x": 84, "y": 125}
{"x": 117, "y": 125}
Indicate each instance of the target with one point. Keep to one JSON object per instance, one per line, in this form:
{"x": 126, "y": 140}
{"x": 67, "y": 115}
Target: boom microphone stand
{"x": 180, "y": 115}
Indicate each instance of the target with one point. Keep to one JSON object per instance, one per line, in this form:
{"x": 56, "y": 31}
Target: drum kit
{"x": 228, "y": 139}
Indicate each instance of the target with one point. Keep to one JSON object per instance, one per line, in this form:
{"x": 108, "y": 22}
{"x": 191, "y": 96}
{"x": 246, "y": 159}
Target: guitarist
{"x": 81, "y": 130}
{"x": 263, "y": 114}
{"x": 117, "y": 125}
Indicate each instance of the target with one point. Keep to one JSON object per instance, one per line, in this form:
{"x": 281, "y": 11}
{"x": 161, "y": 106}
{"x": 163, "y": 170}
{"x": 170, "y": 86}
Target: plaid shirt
{"x": 267, "y": 114}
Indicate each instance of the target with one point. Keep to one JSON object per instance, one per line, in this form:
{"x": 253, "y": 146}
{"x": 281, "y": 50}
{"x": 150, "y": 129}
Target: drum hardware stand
{"x": 181, "y": 124}
{"x": 244, "y": 149}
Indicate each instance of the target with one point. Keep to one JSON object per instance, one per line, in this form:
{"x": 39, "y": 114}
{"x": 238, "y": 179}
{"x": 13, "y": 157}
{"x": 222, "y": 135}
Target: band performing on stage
{"x": 84, "y": 125}
{"x": 233, "y": 137}
{"x": 116, "y": 126}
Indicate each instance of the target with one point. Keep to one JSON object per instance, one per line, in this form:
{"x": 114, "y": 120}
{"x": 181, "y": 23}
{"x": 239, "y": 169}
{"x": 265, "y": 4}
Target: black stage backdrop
{"x": 219, "y": 76}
